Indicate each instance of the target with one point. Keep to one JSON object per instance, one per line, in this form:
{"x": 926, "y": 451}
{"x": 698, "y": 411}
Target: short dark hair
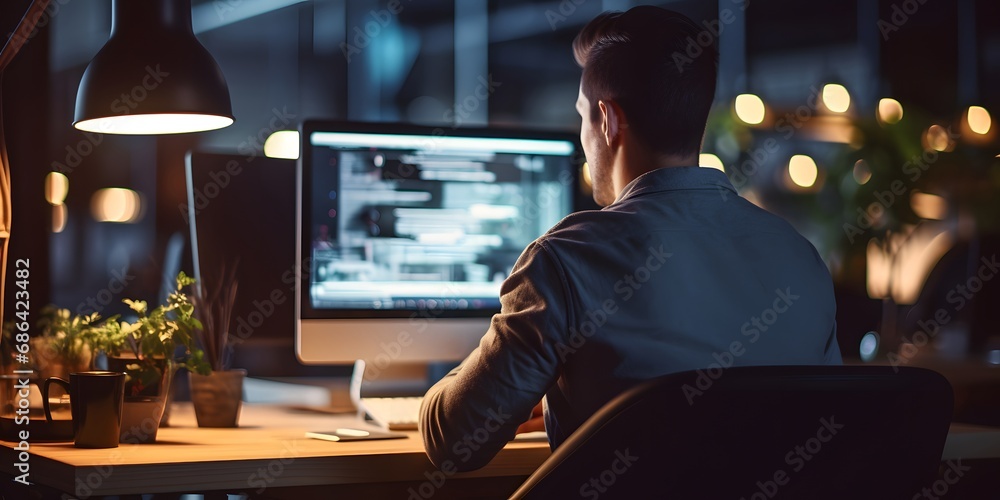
{"x": 640, "y": 59}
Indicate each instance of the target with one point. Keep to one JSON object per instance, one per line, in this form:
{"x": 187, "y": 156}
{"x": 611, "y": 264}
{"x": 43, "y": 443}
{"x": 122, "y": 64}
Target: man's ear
{"x": 611, "y": 121}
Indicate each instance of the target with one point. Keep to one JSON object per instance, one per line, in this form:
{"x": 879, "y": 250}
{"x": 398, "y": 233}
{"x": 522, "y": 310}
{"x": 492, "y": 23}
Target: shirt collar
{"x": 675, "y": 178}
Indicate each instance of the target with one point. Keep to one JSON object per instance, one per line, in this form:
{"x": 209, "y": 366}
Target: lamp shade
{"x": 152, "y": 76}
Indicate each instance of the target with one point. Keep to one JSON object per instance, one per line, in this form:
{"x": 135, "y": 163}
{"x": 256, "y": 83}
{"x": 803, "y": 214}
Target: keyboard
{"x": 395, "y": 414}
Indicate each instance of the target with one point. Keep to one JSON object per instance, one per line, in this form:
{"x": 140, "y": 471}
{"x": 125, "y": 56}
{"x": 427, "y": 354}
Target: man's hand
{"x": 535, "y": 423}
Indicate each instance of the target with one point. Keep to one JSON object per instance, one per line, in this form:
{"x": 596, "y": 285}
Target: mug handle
{"x": 45, "y": 394}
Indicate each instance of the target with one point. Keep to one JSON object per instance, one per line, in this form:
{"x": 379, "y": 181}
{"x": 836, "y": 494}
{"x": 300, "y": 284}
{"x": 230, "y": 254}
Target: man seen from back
{"x": 669, "y": 276}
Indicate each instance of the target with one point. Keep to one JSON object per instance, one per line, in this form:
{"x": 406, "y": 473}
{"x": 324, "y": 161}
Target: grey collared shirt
{"x": 679, "y": 273}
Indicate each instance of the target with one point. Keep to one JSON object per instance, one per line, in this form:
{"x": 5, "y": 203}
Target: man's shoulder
{"x": 586, "y": 232}
{"x": 759, "y": 219}
{"x": 586, "y": 226}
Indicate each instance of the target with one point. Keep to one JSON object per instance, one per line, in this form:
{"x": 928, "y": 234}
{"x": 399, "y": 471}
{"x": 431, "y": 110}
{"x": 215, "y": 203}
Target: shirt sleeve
{"x": 467, "y": 417}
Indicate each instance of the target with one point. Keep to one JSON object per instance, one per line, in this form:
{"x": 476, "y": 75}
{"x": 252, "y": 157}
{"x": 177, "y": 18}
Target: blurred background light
{"x": 749, "y": 108}
{"x": 711, "y": 161}
{"x": 979, "y": 120}
{"x": 936, "y": 138}
{"x": 836, "y": 98}
{"x": 877, "y": 270}
{"x": 993, "y": 357}
{"x": 208, "y": 16}
{"x": 585, "y": 175}
{"x": 862, "y": 172}
{"x": 868, "y": 347}
{"x": 282, "y": 144}
{"x": 915, "y": 256}
{"x": 59, "y": 218}
{"x": 928, "y": 206}
{"x": 116, "y": 205}
{"x": 899, "y": 266}
{"x": 890, "y": 110}
{"x": 802, "y": 170}
{"x": 56, "y": 188}
{"x": 750, "y": 194}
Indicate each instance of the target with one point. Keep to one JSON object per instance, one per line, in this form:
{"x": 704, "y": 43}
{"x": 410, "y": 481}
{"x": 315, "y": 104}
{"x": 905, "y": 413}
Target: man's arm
{"x": 469, "y": 415}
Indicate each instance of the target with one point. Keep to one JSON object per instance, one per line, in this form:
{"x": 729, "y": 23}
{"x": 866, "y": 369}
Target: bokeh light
{"x": 749, "y": 108}
{"x": 802, "y": 170}
{"x": 282, "y": 144}
{"x": 979, "y": 120}
{"x": 116, "y": 205}
{"x": 928, "y": 206}
{"x": 862, "y": 172}
{"x": 59, "y": 216}
{"x": 710, "y": 161}
{"x": 56, "y": 188}
{"x": 836, "y": 98}
{"x": 868, "y": 347}
{"x": 890, "y": 110}
{"x": 936, "y": 138}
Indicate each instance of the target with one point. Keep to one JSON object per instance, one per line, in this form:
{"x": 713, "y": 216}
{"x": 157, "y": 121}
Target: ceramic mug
{"x": 96, "y": 399}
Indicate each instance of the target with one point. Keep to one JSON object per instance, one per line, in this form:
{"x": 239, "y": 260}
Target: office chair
{"x": 758, "y": 433}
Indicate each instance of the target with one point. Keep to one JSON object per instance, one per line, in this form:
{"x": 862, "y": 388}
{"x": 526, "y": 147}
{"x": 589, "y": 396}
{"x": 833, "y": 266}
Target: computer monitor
{"x": 405, "y": 233}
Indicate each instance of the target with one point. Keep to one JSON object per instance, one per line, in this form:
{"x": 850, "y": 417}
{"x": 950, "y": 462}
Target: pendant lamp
{"x": 152, "y": 76}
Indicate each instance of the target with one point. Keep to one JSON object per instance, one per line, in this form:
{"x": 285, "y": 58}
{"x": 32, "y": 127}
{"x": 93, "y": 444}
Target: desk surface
{"x": 267, "y": 452}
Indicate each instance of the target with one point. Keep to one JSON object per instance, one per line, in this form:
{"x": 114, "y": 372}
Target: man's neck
{"x": 629, "y": 167}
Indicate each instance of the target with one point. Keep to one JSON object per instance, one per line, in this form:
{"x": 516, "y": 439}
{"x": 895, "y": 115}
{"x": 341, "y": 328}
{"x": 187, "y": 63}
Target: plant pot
{"x": 146, "y": 390}
{"x": 165, "y": 418}
{"x": 217, "y": 397}
{"x": 50, "y": 363}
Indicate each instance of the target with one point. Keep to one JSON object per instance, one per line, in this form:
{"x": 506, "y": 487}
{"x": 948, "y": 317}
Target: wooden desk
{"x": 971, "y": 442}
{"x": 268, "y": 456}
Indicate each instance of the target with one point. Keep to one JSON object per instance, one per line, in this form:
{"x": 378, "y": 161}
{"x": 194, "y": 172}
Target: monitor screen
{"x": 410, "y": 222}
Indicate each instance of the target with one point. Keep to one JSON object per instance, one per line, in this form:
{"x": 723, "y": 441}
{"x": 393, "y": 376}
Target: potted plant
{"x": 61, "y": 344}
{"x": 149, "y": 350}
{"x": 218, "y": 396}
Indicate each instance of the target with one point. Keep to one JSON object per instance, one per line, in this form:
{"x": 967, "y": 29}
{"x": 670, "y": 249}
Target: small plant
{"x": 215, "y": 302}
{"x": 161, "y": 338}
{"x": 69, "y": 337}
{"x": 60, "y": 339}
{"x": 166, "y": 333}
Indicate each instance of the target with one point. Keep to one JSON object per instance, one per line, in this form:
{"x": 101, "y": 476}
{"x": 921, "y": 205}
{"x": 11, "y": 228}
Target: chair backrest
{"x": 758, "y": 433}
